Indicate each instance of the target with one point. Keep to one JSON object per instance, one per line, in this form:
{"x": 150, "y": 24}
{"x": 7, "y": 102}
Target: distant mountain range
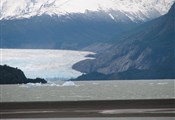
{"x": 135, "y": 10}
{"x": 133, "y": 39}
{"x": 145, "y": 52}
{"x": 72, "y": 24}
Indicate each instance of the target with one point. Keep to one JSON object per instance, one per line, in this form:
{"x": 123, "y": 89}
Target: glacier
{"x": 48, "y": 64}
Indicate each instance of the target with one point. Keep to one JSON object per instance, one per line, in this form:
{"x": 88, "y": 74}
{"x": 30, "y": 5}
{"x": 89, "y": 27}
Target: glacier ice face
{"x": 134, "y": 9}
{"x": 48, "y": 64}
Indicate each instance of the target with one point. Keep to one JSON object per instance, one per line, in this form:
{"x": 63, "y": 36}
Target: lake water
{"x": 89, "y": 90}
{"x": 48, "y": 64}
{"x": 55, "y": 64}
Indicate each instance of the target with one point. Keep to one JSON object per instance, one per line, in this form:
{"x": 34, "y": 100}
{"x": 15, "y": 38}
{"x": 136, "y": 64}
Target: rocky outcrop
{"x": 146, "y": 48}
{"x": 131, "y": 74}
{"x": 10, "y": 75}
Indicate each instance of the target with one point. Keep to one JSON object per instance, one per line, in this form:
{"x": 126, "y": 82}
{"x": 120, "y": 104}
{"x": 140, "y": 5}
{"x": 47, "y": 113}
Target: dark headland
{"x": 10, "y": 75}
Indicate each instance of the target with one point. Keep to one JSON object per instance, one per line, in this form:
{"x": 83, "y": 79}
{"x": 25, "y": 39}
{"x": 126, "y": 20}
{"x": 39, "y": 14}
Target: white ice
{"x": 48, "y": 64}
{"x": 68, "y": 83}
{"x": 49, "y": 84}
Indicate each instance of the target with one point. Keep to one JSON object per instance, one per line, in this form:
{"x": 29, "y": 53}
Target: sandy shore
{"x": 69, "y": 109}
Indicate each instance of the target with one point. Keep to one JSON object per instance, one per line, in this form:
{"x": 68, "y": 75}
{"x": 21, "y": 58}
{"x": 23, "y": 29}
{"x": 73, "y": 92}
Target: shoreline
{"x": 98, "y": 108}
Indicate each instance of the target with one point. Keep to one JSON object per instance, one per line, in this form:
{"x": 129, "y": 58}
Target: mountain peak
{"x": 134, "y": 9}
{"x": 172, "y": 9}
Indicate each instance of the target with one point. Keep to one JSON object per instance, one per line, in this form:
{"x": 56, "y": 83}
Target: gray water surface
{"x": 89, "y": 90}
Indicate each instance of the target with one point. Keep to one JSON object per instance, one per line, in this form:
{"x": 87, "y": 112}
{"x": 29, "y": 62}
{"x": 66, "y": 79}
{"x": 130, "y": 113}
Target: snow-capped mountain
{"x": 143, "y": 53}
{"x": 136, "y": 10}
{"x": 72, "y": 24}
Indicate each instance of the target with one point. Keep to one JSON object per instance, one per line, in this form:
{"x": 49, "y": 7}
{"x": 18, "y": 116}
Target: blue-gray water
{"x": 89, "y": 90}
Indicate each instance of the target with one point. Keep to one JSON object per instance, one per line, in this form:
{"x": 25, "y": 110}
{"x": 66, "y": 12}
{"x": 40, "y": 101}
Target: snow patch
{"x": 111, "y": 16}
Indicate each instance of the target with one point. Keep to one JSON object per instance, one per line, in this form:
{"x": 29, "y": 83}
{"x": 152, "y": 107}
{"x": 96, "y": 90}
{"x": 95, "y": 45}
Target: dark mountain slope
{"x": 73, "y": 31}
{"x": 149, "y": 48}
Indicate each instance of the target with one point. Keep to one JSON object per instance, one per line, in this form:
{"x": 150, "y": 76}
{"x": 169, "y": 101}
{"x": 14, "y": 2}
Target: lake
{"x": 89, "y": 90}
{"x": 57, "y": 64}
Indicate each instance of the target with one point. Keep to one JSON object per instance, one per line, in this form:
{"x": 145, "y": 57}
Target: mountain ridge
{"x": 148, "y": 49}
{"x": 73, "y": 30}
{"x": 136, "y": 10}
